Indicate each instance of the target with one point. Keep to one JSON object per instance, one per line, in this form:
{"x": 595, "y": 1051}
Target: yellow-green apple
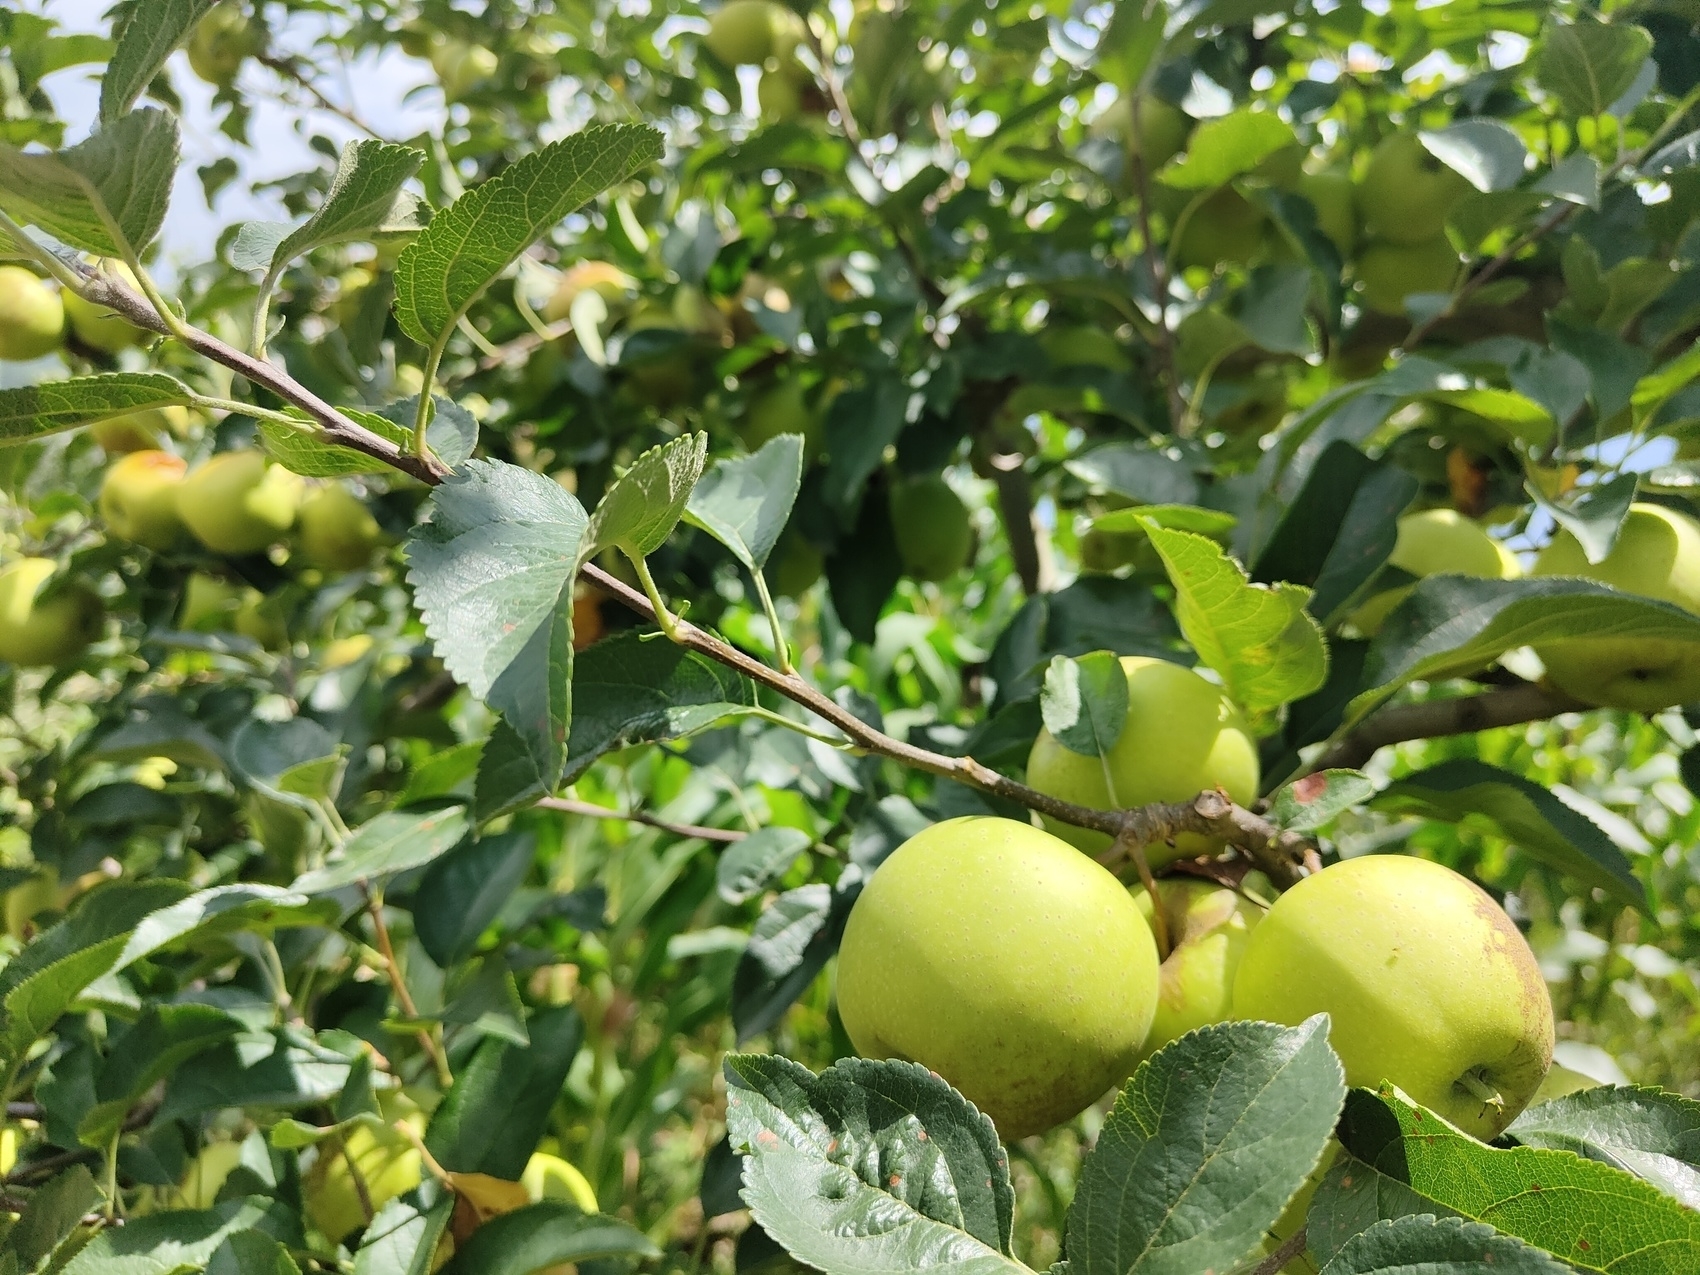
{"x": 548, "y": 1177}
{"x": 1438, "y": 542}
{"x": 138, "y": 499}
{"x": 461, "y": 67}
{"x": 1330, "y": 193}
{"x": 36, "y": 630}
{"x": 1406, "y": 192}
{"x": 933, "y": 529}
{"x": 1390, "y": 272}
{"x": 337, "y": 532}
{"x": 261, "y": 619}
{"x": 1426, "y": 981}
{"x": 220, "y": 42}
{"x": 1162, "y": 131}
{"x": 749, "y": 32}
{"x": 1657, "y": 555}
{"x": 780, "y": 409}
{"x": 140, "y": 431}
{"x": 388, "y": 1162}
{"x": 1182, "y": 736}
{"x": 208, "y": 603}
{"x": 951, "y": 958}
{"x": 1224, "y": 228}
{"x": 32, "y": 316}
{"x": 1561, "y": 1080}
{"x": 779, "y": 94}
{"x": 207, "y": 1174}
{"x": 96, "y": 326}
{"x": 237, "y": 503}
{"x": 1207, "y": 926}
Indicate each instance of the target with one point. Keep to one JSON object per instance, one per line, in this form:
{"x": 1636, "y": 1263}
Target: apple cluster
{"x": 1029, "y": 977}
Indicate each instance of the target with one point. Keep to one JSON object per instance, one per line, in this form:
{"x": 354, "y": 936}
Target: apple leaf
{"x": 144, "y": 1053}
{"x": 745, "y": 501}
{"x": 1206, "y": 522}
{"x": 640, "y": 510}
{"x": 750, "y": 866}
{"x": 142, "y": 50}
{"x": 471, "y": 242}
{"x": 251, "y": 1253}
{"x": 402, "y": 1240}
{"x": 222, "y": 909}
{"x": 1595, "y": 515}
{"x": 1227, "y": 147}
{"x": 292, "y": 1069}
{"x": 1311, "y": 802}
{"x": 791, "y": 943}
{"x": 106, "y": 195}
{"x": 28, "y": 412}
{"x": 1451, "y": 625}
{"x": 1352, "y": 1198}
{"x": 463, "y": 890}
{"x": 1205, "y": 1147}
{"x": 181, "y": 1240}
{"x": 1652, "y": 1133}
{"x": 1486, "y": 153}
{"x": 1589, "y": 64}
{"x": 1084, "y": 702}
{"x": 53, "y": 1215}
{"x": 870, "y": 1167}
{"x": 393, "y": 842}
{"x": 546, "y": 1236}
{"x": 1591, "y": 1215}
{"x": 1261, "y": 640}
{"x": 1137, "y": 471}
{"x": 1501, "y": 803}
{"x": 1439, "y": 1246}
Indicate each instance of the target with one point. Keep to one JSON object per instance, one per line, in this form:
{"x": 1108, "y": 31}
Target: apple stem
{"x": 1474, "y": 1085}
{"x": 1129, "y": 844}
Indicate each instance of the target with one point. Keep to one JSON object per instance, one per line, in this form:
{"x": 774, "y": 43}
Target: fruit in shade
{"x": 220, "y": 42}
{"x": 1561, "y": 1080}
{"x": 779, "y": 94}
{"x": 139, "y": 431}
{"x": 606, "y": 280}
{"x": 388, "y": 1162}
{"x": 1438, "y": 542}
{"x": 96, "y": 326}
{"x": 548, "y": 1177}
{"x": 587, "y": 616}
{"x": 780, "y": 409}
{"x": 261, "y": 620}
{"x": 208, "y": 603}
{"x": 794, "y": 567}
{"x": 336, "y": 531}
{"x": 1182, "y": 735}
{"x": 1657, "y": 555}
{"x": 749, "y": 32}
{"x": 32, "y": 315}
{"x": 950, "y": 959}
{"x": 1224, "y": 228}
{"x": 37, "y": 630}
{"x": 934, "y": 533}
{"x": 238, "y": 503}
{"x": 1207, "y": 926}
{"x": 1391, "y": 272}
{"x": 1406, "y": 193}
{"x": 461, "y": 67}
{"x": 1330, "y": 193}
{"x": 138, "y": 499}
{"x": 1427, "y": 983}
{"x": 1162, "y": 132}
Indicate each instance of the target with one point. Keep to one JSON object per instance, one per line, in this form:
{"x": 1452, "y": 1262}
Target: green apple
{"x": 140, "y": 431}
{"x": 935, "y": 535}
{"x": 1390, "y": 272}
{"x": 32, "y": 316}
{"x": 1561, "y": 1080}
{"x": 794, "y": 567}
{"x": 209, "y": 604}
{"x": 236, "y": 503}
{"x": 388, "y": 1163}
{"x": 220, "y": 42}
{"x": 780, "y": 409}
{"x": 951, "y": 958}
{"x": 138, "y": 499}
{"x": 1426, "y": 981}
{"x": 1330, "y": 193}
{"x": 1657, "y": 555}
{"x": 336, "y": 532}
{"x": 1224, "y": 228}
{"x": 1406, "y": 192}
{"x": 548, "y": 1177}
{"x": 96, "y": 326}
{"x": 779, "y": 94}
{"x": 461, "y": 67}
{"x": 53, "y": 630}
{"x": 606, "y": 280}
{"x": 261, "y": 619}
{"x": 747, "y": 32}
{"x": 1182, "y": 736}
{"x": 1438, "y": 542}
{"x": 1162, "y": 132}
{"x": 1207, "y": 927}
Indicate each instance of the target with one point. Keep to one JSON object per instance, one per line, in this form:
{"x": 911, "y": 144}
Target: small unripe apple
{"x": 955, "y": 957}
{"x": 1560, "y": 1081}
{"x": 1657, "y": 555}
{"x": 140, "y": 431}
{"x": 1390, "y": 272}
{"x": 236, "y": 503}
{"x": 388, "y": 1162}
{"x": 461, "y": 67}
{"x": 337, "y": 532}
{"x": 1182, "y": 736}
{"x": 934, "y": 532}
{"x": 548, "y": 1177}
{"x": 1207, "y": 926}
{"x": 1162, "y": 132}
{"x": 261, "y": 619}
{"x": 220, "y": 42}
{"x": 780, "y": 409}
{"x": 779, "y": 95}
{"x": 1426, "y": 981}
{"x": 32, "y": 316}
{"x": 743, "y": 32}
{"x": 207, "y": 1174}
{"x": 608, "y": 281}
{"x": 1406, "y": 193}
{"x": 1437, "y": 542}
{"x": 38, "y": 631}
{"x": 138, "y": 499}
{"x": 1226, "y": 228}
{"x": 209, "y": 604}
{"x": 794, "y": 567}
{"x": 96, "y": 326}
{"x": 1331, "y": 194}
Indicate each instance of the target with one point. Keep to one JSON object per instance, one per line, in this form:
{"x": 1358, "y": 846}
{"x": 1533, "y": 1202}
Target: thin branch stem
{"x": 287, "y": 68}
{"x": 1290, "y": 1248}
{"x": 404, "y": 998}
{"x": 725, "y": 836}
{"x": 1461, "y": 715}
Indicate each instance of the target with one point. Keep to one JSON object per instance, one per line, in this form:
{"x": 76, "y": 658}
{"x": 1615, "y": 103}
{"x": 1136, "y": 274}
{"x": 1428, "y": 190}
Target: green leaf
{"x": 296, "y": 1071}
{"x": 1313, "y": 801}
{"x": 1084, "y": 702}
{"x": 1130, "y": 41}
{"x": 745, "y": 501}
{"x": 1486, "y": 153}
{"x": 1520, "y": 418}
{"x": 1595, "y": 515}
{"x": 1206, "y": 522}
{"x": 365, "y": 197}
{"x": 221, "y": 910}
{"x": 53, "y": 1214}
{"x": 471, "y": 242}
{"x": 629, "y": 691}
{"x": 402, "y": 1240}
{"x": 450, "y": 435}
{"x": 790, "y": 944}
{"x": 1651, "y": 1133}
{"x": 1488, "y": 799}
{"x": 1139, "y": 472}
{"x": 870, "y": 1167}
{"x": 173, "y": 1243}
{"x": 1589, "y": 64}
{"x": 252, "y": 1253}
{"x": 28, "y": 412}
{"x": 392, "y": 842}
{"x": 142, "y": 50}
{"x": 639, "y": 512}
{"x": 546, "y": 1236}
{"x": 1593, "y": 1216}
{"x": 1443, "y": 1246}
{"x": 1219, "y": 1129}
{"x": 463, "y": 890}
{"x": 1264, "y": 644}
{"x": 144, "y": 1053}
{"x": 1224, "y": 148}
{"x": 1352, "y": 1198}
{"x": 1662, "y": 384}
{"x": 106, "y": 195}
{"x": 491, "y": 1120}
{"x": 750, "y": 866}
